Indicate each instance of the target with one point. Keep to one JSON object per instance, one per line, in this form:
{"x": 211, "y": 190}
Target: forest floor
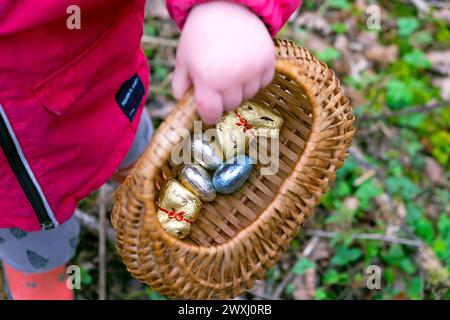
{"x": 390, "y": 205}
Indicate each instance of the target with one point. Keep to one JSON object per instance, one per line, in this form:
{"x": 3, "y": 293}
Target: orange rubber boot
{"x": 49, "y": 285}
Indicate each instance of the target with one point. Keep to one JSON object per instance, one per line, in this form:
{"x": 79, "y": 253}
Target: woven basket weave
{"x": 238, "y": 237}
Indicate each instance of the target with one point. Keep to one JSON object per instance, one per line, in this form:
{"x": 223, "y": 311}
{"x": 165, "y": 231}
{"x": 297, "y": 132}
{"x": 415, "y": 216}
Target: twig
{"x": 402, "y": 112}
{"x": 422, "y": 283}
{"x": 367, "y": 236}
{"x": 421, "y": 5}
{"x": 290, "y": 275}
{"x": 157, "y": 41}
{"x": 260, "y": 295}
{"x": 439, "y": 4}
{"x": 102, "y": 243}
{"x": 91, "y": 224}
{"x": 364, "y": 177}
{"x": 160, "y": 90}
{"x": 323, "y": 8}
{"x": 357, "y": 154}
{"x": 280, "y": 288}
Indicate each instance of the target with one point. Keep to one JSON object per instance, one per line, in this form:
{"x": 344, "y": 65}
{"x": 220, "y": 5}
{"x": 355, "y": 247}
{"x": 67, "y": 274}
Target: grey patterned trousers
{"x": 45, "y": 250}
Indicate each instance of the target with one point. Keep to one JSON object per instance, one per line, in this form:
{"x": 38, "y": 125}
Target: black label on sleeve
{"x": 130, "y": 95}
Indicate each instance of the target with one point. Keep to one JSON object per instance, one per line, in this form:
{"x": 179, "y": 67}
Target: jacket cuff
{"x": 274, "y": 13}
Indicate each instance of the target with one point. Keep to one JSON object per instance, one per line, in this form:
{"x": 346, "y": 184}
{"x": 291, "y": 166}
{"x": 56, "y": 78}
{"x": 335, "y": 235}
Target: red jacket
{"x": 70, "y": 99}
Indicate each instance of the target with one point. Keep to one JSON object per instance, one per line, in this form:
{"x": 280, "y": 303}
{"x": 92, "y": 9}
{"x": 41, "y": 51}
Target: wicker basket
{"x": 238, "y": 237}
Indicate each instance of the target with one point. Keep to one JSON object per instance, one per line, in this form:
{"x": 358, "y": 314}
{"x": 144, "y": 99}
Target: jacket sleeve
{"x": 274, "y": 13}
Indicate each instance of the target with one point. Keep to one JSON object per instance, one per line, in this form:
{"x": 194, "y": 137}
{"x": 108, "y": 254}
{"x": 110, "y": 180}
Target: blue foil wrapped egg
{"x": 231, "y": 176}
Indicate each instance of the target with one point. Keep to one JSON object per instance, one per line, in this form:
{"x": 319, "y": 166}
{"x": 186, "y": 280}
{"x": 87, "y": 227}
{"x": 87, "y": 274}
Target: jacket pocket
{"x": 114, "y": 49}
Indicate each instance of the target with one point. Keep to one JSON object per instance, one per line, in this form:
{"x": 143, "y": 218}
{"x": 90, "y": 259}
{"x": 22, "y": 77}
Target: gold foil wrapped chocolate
{"x": 233, "y": 138}
{"x": 237, "y": 129}
{"x": 265, "y": 122}
{"x": 206, "y": 152}
{"x": 178, "y": 208}
{"x": 196, "y": 179}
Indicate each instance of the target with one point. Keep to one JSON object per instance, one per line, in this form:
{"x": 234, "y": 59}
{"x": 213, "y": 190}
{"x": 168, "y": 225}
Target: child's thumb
{"x": 180, "y": 82}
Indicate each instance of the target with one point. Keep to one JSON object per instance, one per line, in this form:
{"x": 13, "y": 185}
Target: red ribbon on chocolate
{"x": 244, "y": 123}
{"x": 174, "y": 215}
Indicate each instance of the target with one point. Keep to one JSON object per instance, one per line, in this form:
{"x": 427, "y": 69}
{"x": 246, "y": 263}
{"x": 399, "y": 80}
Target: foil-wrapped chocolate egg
{"x": 265, "y": 122}
{"x": 231, "y": 176}
{"x": 178, "y": 208}
{"x": 195, "y": 178}
{"x": 207, "y": 153}
{"x": 237, "y": 129}
{"x": 234, "y": 138}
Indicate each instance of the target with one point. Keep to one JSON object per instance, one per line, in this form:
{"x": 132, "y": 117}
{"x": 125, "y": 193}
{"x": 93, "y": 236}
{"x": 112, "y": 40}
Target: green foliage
{"x": 302, "y": 265}
{"x": 407, "y": 25}
{"x": 160, "y": 71}
{"x": 332, "y": 276}
{"x": 441, "y": 147}
{"x": 417, "y": 59}
{"x": 402, "y": 186}
{"x": 414, "y": 288}
{"x": 423, "y": 38}
{"x": 400, "y": 195}
{"x": 345, "y": 255}
{"x": 321, "y": 294}
{"x": 86, "y": 278}
{"x": 150, "y": 30}
{"x": 399, "y": 94}
{"x": 153, "y": 295}
{"x": 443, "y": 33}
{"x": 405, "y": 93}
{"x": 339, "y": 27}
{"x": 340, "y": 4}
{"x": 366, "y": 192}
{"x": 441, "y": 244}
{"x": 398, "y": 258}
{"x": 328, "y": 55}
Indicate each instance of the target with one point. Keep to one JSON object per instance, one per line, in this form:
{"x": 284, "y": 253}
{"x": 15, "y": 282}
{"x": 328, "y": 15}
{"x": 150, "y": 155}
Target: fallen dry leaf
{"x": 381, "y": 54}
{"x": 440, "y": 61}
{"x": 157, "y": 9}
{"x": 314, "y": 42}
{"x": 312, "y": 21}
{"x": 374, "y": 51}
{"x": 433, "y": 211}
{"x": 444, "y": 85}
{"x": 361, "y": 5}
{"x": 356, "y": 97}
{"x": 321, "y": 251}
{"x": 442, "y": 14}
{"x": 367, "y": 39}
{"x": 305, "y": 286}
{"x": 351, "y": 203}
{"x": 436, "y": 274}
{"x": 433, "y": 170}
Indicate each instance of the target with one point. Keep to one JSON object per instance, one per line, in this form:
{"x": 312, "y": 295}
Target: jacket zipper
{"x": 22, "y": 171}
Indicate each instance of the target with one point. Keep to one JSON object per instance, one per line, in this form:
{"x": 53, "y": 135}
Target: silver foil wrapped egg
{"x": 197, "y": 180}
{"x": 207, "y": 153}
{"x": 231, "y": 176}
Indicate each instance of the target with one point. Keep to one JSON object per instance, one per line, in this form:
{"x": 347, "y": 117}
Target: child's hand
{"x": 227, "y": 53}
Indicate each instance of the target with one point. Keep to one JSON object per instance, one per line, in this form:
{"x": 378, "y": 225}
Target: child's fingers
{"x": 267, "y": 77}
{"x": 232, "y": 98}
{"x": 180, "y": 82}
{"x": 209, "y": 103}
{"x": 251, "y": 88}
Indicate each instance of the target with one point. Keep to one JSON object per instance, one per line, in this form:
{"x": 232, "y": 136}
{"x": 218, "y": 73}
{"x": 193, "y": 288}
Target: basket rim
{"x": 171, "y": 265}
{"x": 283, "y": 66}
